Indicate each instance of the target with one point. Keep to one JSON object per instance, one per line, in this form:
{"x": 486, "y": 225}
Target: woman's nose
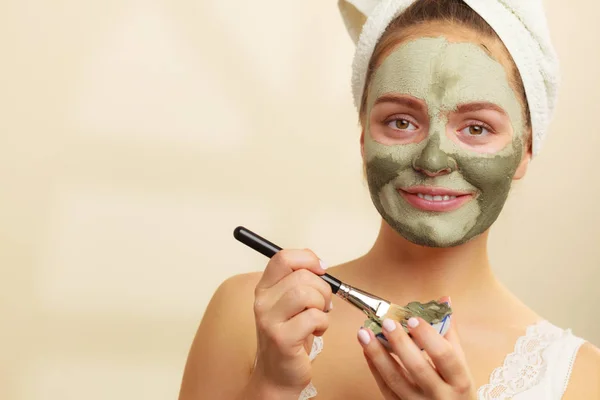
{"x": 433, "y": 161}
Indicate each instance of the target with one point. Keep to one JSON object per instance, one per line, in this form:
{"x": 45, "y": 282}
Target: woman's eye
{"x": 475, "y": 130}
{"x": 402, "y": 124}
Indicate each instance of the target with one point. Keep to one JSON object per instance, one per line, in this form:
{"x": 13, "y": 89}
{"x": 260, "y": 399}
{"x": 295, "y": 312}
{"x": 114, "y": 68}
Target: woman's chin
{"x": 427, "y": 234}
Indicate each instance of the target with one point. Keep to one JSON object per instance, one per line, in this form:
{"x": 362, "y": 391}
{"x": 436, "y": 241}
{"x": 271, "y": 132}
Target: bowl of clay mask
{"x": 436, "y": 314}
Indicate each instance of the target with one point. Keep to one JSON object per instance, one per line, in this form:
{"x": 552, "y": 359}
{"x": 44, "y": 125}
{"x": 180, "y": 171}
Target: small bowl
{"x": 441, "y": 327}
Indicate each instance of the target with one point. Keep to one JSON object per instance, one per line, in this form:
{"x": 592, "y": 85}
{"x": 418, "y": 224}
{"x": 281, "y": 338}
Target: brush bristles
{"x": 396, "y": 313}
{"x": 432, "y": 312}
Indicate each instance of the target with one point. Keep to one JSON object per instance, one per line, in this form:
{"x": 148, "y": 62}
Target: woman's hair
{"x": 448, "y": 11}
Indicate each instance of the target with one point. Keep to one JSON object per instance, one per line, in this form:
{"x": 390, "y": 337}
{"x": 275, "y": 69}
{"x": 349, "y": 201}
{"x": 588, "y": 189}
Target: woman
{"x": 449, "y": 122}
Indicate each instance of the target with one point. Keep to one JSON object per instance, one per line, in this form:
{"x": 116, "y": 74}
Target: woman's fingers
{"x": 452, "y": 337}
{"x": 388, "y": 394}
{"x": 300, "y": 279}
{"x": 288, "y": 308}
{"x": 438, "y": 372}
{"x": 290, "y": 285}
{"x": 311, "y": 321}
{"x": 448, "y": 362}
{"x": 420, "y": 370}
{"x": 388, "y": 369}
{"x": 296, "y": 300}
{"x": 285, "y": 262}
{"x": 440, "y": 350}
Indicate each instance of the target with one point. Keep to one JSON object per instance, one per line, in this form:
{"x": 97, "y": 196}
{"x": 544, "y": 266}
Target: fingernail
{"x": 389, "y": 325}
{"x": 331, "y": 305}
{"x": 413, "y": 322}
{"x": 449, "y": 301}
{"x": 323, "y": 265}
{"x": 364, "y": 337}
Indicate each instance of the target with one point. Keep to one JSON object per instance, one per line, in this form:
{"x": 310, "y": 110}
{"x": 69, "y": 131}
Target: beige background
{"x": 133, "y": 137}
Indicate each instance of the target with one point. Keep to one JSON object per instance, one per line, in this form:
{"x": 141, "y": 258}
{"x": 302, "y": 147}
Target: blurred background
{"x": 137, "y": 134}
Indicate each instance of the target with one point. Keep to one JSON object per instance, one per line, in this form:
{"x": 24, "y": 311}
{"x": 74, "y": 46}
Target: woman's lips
{"x": 436, "y": 199}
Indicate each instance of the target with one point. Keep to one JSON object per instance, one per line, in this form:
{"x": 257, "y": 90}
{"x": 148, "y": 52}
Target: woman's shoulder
{"x": 235, "y": 297}
{"x": 231, "y": 309}
{"x": 240, "y": 284}
{"x": 573, "y": 362}
{"x": 233, "y": 300}
{"x": 225, "y": 342}
{"x": 584, "y": 382}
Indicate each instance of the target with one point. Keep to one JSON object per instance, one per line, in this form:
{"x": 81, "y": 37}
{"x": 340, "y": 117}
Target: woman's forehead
{"x": 452, "y": 32}
{"x": 445, "y": 74}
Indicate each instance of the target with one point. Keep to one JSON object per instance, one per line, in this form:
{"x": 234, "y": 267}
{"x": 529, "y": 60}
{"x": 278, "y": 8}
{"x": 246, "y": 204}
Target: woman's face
{"x": 444, "y": 137}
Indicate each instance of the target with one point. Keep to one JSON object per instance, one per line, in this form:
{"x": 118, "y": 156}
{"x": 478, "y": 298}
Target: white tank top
{"x": 538, "y": 369}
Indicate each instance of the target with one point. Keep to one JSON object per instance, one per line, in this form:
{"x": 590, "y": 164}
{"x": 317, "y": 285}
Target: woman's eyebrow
{"x": 403, "y": 101}
{"x": 471, "y": 107}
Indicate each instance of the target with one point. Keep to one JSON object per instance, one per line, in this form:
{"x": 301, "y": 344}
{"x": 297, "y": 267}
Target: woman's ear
{"x": 362, "y": 153}
{"x": 522, "y": 168}
{"x": 362, "y": 144}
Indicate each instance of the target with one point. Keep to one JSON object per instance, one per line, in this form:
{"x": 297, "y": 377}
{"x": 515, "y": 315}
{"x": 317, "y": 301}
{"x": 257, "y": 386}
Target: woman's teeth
{"x": 435, "y": 198}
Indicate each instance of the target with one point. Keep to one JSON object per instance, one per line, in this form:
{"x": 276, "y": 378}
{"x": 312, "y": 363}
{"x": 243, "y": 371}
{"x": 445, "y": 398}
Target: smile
{"x": 435, "y": 199}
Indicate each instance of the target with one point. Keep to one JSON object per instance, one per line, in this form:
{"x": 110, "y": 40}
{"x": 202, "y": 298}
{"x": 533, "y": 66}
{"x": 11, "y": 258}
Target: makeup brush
{"x": 376, "y": 308}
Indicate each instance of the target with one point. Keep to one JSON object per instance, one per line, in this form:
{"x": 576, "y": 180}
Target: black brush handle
{"x": 264, "y": 247}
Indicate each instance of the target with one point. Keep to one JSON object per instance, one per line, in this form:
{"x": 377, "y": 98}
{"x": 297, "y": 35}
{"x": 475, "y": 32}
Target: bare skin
{"x": 255, "y": 317}
{"x": 222, "y": 356}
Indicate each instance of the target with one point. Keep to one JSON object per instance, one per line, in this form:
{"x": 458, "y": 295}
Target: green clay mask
{"x": 434, "y": 146}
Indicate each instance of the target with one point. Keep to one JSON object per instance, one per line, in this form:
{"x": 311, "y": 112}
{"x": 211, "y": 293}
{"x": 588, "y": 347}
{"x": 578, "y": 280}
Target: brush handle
{"x": 269, "y": 249}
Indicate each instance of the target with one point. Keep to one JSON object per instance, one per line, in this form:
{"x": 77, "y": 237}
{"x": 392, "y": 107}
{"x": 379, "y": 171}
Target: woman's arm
{"x": 289, "y": 303}
{"x": 222, "y": 354}
{"x": 585, "y": 378}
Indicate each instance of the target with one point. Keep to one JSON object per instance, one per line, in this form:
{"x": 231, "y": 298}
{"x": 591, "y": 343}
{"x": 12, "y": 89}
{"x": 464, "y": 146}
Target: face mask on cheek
{"x": 443, "y": 75}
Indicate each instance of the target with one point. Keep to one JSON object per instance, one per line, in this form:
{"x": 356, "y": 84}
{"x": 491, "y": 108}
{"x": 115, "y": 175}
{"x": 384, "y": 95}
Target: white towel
{"x": 520, "y": 24}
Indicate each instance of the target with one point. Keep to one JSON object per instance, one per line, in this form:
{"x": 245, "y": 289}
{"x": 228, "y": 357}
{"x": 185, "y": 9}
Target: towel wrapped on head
{"x": 520, "y": 24}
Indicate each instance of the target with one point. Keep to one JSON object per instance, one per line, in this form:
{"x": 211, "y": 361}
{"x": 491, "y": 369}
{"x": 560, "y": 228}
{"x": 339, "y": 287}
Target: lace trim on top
{"x": 525, "y": 366}
{"x": 522, "y": 369}
{"x": 310, "y": 391}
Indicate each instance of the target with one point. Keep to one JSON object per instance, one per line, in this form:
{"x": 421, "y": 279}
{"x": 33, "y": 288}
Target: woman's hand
{"x": 443, "y": 375}
{"x": 290, "y": 307}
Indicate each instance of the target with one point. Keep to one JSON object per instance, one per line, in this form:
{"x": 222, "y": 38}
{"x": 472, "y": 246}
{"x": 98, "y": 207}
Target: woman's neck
{"x": 401, "y": 271}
